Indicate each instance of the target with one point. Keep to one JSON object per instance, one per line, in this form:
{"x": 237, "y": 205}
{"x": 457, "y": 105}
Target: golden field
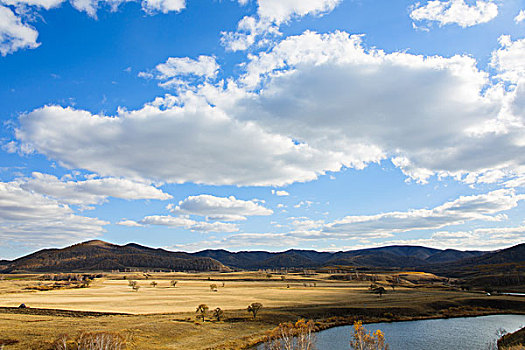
{"x": 163, "y": 317}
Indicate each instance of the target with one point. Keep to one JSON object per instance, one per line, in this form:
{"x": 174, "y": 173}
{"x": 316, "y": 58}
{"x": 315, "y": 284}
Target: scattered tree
{"x": 173, "y": 283}
{"x": 364, "y": 340}
{"x": 254, "y": 308}
{"x": 223, "y": 284}
{"x": 218, "y": 313}
{"x": 135, "y": 288}
{"x": 380, "y": 291}
{"x": 202, "y": 309}
{"x": 290, "y": 336}
{"x": 213, "y": 287}
{"x": 153, "y": 284}
{"x": 132, "y": 283}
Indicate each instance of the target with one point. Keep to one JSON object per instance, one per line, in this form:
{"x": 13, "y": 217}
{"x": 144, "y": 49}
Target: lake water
{"x": 465, "y": 333}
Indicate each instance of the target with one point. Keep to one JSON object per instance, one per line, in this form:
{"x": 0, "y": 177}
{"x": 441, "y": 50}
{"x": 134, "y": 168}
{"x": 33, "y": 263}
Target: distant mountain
{"x": 450, "y": 255}
{"x": 98, "y": 255}
{"x": 383, "y": 257}
{"x": 500, "y": 261}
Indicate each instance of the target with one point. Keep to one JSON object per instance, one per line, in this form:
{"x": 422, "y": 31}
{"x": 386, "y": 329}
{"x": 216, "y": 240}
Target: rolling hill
{"x": 98, "y": 255}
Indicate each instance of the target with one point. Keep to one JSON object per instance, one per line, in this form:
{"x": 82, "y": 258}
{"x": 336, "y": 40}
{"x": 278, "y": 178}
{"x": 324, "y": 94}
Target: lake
{"x": 470, "y": 333}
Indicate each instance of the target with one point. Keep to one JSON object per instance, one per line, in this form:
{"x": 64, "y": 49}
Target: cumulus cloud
{"x": 186, "y": 223}
{"x": 15, "y": 35}
{"x": 45, "y": 4}
{"x": 486, "y": 207}
{"x": 149, "y": 6}
{"x": 172, "y": 72}
{"x": 164, "y": 6}
{"x": 307, "y": 106}
{"x": 91, "y": 190}
{"x": 280, "y": 193}
{"x": 193, "y": 143}
{"x": 31, "y": 218}
{"x": 520, "y": 17}
{"x": 508, "y": 59}
{"x": 455, "y": 12}
{"x": 270, "y": 15}
{"x": 221, "y": 208}
{"x": 129, "y": 223}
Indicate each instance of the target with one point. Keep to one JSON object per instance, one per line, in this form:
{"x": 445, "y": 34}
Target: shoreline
{"x": 368, "y": 320}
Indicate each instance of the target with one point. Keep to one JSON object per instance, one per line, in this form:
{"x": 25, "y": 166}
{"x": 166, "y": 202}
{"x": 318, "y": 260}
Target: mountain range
{"x": 99, "y": 256}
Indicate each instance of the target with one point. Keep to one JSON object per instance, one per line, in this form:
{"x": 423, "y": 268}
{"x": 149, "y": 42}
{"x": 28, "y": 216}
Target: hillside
{"x": 502, "y": 268}
{"x": 99, "y": 255}
{"x": 383, "y": 257}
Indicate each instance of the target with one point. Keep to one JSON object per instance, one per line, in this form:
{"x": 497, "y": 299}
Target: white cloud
{"x": 91, "y": 190}
{"x": 436, "y": 115}
{"x": 164, "y": 6}
{"x": 15, "y": 35}
{"x": 520, "y": 17}
{"x": 509, "y": 59}
{"x": 280, "y": 193}
{"x": 186, "y": 223}
{"x": 270, "y": 15}
{"x": 129, "y": 223}
{"x": 278, "y": 11}
{"x": 31, "y": 218}
{"x": 45, "y": 4}
{"x": 194, "y": 143}
{"x": 221, "y": 208}
{"x": 172, "y": 72}
{"x": 307, "y": 106}
{"x": 486, "y": 207}
{"x": 455, "y": 12}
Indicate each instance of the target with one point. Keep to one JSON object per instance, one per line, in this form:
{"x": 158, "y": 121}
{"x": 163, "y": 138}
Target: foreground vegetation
{"x": 240, "y": 310}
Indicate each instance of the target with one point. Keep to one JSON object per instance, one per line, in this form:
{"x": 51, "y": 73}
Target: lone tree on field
{"x": 202, "y": 309}
{"x": 254, "y": 308}
{"x": 153, "y": 284}
{"x": 218, "y": 313}
{"x": 173, "y": 283}
{"x": 379, "y": 290}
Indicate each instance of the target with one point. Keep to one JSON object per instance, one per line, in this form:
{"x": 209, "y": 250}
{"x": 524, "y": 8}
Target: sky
{"x": 262, "y": 124}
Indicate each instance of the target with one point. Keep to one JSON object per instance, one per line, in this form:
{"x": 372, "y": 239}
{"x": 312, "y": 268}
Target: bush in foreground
{"x": 91, "y": 341}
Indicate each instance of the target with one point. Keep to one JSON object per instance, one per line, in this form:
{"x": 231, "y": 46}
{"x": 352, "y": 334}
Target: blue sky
{"x": 262, "y": 124}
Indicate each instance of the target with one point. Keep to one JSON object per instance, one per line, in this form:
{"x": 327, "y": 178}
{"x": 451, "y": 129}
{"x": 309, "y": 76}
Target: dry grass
{"x": 163, "y": 317}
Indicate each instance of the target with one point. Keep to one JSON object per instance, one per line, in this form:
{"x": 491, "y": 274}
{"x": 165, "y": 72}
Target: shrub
{"x": 91, "y": 341}
{"x": 292, "y": 336}
{"x": 364, "y": 340}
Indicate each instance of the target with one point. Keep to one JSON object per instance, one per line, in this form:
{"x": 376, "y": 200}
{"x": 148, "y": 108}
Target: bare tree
{"x": 218, "y": 313}
{"x": 379, "y": 290}
{"x": 364, "y": 340}
{"x": 202, "y": 309}
{"x": 290, "y": 336}
{"x": 254, "y": 308}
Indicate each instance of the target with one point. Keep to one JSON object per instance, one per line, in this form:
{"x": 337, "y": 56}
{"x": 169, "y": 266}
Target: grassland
{"x": 163, "y": 317}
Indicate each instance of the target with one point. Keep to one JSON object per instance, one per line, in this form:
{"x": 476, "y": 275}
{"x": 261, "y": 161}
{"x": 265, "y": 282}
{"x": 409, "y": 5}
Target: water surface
{"x": 465, "y": 333}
